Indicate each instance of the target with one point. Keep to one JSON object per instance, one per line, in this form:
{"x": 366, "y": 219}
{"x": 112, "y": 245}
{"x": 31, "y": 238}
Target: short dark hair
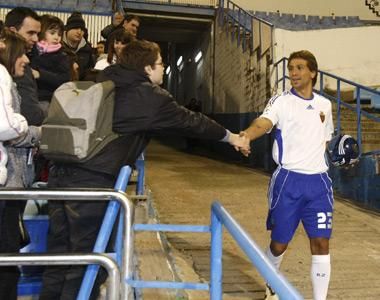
{"x": 50, "y": 22}
{"x": 129, "y": 18}
{"x": 138, "y": 54}
{"x": 15, "y": 47}
{"x": 310, "y": 60}
{"x": 119, "y": 35}
{"x": 16, "y": 16}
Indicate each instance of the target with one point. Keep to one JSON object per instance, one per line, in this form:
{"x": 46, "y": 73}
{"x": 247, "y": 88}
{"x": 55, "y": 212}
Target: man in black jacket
{"x": 74, "y": 43}
{"x": 26, "y": 22}
{"x": 142, "y": 108}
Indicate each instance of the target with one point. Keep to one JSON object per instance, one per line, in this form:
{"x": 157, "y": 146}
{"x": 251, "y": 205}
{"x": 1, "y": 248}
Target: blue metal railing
{"x": 338, "y": 98}
{"x": 220, "y": 217}
{"x": 105, "y": 234}
{"x": 239, "y": 18}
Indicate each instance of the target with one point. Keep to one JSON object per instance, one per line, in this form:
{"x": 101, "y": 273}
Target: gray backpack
{"x": 79, "y": 121}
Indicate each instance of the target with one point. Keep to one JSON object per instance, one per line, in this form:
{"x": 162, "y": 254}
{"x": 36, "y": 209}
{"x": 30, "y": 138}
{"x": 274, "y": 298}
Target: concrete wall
{"x": 312, "y": 7}
{"x": 352, "y": 53}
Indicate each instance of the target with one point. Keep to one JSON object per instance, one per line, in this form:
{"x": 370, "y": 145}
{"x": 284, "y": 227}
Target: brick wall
{"x": 241, "y": 79}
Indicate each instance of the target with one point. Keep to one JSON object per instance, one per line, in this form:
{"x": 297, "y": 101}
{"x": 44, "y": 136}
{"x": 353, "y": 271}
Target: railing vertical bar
{"x": 104, "y": 234}
{"x": 258, "y": 258}
{"x": 321, "y": 84}
{"x": 238, "y": 27}
{"x": 221, "y": 12}
{"x": 283, "y": 74}
{"x": 338, "y": 106}
{"x": 358, "y": 115}
{"x": 140, "y": 166}
{"x": 216, "y": 268}
{"x": 119, "y": 241}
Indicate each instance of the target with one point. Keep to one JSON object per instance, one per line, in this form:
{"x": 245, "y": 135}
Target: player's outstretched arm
{"x": 258, "y": 128}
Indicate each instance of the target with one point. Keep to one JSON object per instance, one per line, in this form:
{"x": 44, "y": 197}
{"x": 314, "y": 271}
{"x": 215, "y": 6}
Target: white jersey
{"x": 303, "y": 126}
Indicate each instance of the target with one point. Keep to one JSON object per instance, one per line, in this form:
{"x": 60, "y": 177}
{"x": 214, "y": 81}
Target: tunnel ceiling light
{"x": 179, "y": 61}
{"x": 198, "y": 56}
{"x": 168, "y": 70}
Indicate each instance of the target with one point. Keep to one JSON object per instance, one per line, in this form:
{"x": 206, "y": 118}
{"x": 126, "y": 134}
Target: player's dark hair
{"x": 310, "y": 59}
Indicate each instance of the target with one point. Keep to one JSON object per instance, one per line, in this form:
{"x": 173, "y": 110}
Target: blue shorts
{"x": 295, "y": 197}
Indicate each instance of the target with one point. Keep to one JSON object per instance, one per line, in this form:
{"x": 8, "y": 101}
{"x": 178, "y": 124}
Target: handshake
{"x": 241, "y": 142}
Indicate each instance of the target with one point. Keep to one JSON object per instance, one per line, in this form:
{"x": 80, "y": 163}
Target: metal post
{"x": 85, "y": 195}
{"x": 104, "y": 235}
{"x": 140, "y": 165}
{"x": 358, "y": 114}
{"x": 270, "y": 273}
{"x": 113, "y": 282}
{"x": 283, "y": 74}
{"x": 216, "y": 258}
{"x": 321, "y": 83}
{"x": 338, "y": 104}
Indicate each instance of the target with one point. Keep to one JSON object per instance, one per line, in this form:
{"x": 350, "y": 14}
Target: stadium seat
{"x": 68, "y": 4}
{"x": 286, "y": 21}
{"x": 16, "y": 3}
{"x": 298, "y": 23}
{"x": 375, "y": 100}
{"x": 354, "y": 21}
{"x": 34, "y": 4}
{"x": 261, "y": 15}
{"x": 313, "y": 22}
{"x": 327, "y": 22}
{"x": 85, "y": 6}
{"x": 274, "y": 18}
{"x": 341, "y": 21}
{"x": 102, "y": 6}
{"x": 49, "y": 4}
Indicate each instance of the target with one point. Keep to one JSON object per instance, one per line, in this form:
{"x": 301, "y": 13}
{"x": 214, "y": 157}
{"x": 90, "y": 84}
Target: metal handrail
{"x": 85, "y": 195}
{"x": 113, "y": 281}
{"x": 337, "y": 99}
{"x": 219, "y": 217}
{"x": 104, "y": 234}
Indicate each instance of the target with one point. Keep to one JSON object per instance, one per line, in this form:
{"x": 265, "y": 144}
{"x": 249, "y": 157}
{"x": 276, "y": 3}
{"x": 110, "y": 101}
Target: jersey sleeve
{"x": 272, "y": 110}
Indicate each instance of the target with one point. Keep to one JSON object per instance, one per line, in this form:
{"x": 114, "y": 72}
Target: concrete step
{"x": 350, "y": 125}
{"x": 369, "y": 147}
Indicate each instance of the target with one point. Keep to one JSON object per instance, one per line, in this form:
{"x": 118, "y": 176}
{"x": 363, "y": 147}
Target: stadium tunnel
{"x": 184, "y": 40}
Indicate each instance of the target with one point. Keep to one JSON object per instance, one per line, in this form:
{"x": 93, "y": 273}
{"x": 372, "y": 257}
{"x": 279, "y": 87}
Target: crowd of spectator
{"x": 37, "y": 55}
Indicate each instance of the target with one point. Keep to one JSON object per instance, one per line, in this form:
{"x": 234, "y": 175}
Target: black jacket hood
{"x": 122, "y": 76}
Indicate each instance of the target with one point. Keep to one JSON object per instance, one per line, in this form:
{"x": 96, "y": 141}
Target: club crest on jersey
{"x": 322, "y": 116}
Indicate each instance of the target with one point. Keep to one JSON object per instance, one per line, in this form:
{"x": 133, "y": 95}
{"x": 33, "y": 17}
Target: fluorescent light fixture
{"x": 179, "y": 61}
{"x": 168, "y": 70}
{"x": 198, "y": 56}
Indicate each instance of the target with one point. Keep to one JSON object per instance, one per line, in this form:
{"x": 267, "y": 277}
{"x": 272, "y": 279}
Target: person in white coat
{"x": 18, "y": 144}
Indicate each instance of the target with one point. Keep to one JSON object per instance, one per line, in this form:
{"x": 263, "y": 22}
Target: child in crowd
{"x": 52, "y": 67}
{"x": 118, "y": 40}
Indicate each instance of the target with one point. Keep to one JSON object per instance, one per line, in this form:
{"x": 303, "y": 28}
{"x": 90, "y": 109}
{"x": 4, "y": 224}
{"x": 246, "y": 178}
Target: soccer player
{"x": 300, "y": 189}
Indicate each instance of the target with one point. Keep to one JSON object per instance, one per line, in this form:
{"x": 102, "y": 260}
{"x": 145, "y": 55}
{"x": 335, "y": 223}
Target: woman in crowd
{"x": 52, "y": 66}
{"x": 119, "y": 39}
{"x": 19, "y": 144}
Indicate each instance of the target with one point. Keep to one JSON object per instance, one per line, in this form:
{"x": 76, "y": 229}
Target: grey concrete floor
{"x": 184, "y": 185}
